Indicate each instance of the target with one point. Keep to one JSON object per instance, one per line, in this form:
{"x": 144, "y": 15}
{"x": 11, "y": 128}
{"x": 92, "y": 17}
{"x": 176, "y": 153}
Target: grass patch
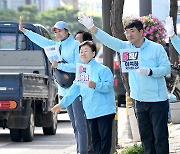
{"x": 135, "y": 149}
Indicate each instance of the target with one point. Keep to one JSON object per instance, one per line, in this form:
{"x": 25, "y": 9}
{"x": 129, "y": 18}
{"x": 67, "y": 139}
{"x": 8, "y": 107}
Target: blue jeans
{"x": 152, "y": 120}
{"x": 78, "y": 121}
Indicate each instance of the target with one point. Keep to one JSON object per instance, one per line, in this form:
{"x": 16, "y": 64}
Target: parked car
{"x": 119, "y": 89}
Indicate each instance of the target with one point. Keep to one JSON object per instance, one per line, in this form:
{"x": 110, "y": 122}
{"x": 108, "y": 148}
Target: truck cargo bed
{"x": 23, "y": 85}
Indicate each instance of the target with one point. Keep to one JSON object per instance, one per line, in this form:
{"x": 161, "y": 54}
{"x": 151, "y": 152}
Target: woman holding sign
{"x": 147, "y": 82}
{"x": 69, "y": 51}
{"x": 97, "y": 95}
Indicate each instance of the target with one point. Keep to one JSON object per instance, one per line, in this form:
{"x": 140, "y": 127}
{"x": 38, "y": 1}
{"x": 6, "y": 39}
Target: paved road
{"x": 61, "y": 143}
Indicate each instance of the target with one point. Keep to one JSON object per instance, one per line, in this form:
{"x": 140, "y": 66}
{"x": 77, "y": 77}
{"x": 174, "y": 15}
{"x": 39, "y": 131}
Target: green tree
{"x": 8, "y": 15}
{"x": 29, "y": 13}
{"x": 49, "y": 17}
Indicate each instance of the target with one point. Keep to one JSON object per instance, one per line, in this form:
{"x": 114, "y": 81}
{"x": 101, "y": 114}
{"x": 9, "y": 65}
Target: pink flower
{"x": 151, "y": 37}
{"x": 153, "y": 28}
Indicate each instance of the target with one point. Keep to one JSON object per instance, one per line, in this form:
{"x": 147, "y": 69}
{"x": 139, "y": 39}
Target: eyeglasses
{"x": 130, "y": 31}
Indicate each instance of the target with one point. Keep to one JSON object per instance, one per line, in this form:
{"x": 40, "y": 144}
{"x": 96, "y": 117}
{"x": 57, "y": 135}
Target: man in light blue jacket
{"x": 147, "y": 84}
{"x": 98, "y": 99}
{"x": 70, "y": 53}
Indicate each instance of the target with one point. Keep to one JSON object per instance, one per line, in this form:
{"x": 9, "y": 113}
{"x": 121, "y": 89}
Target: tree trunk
{"x": 118, "y": 32}
{"x": 173, "y": 55}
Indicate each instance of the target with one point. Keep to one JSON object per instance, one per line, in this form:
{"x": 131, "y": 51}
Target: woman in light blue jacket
{"x": 70, "y": 53}
{"x": 147, "y": 84}
{"x": 97, "y": 97}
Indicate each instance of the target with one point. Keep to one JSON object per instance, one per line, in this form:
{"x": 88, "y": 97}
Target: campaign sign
{"x": 52, "y": 52}
{"x": 130, "y": 59}
{"x": 83, "y": 74}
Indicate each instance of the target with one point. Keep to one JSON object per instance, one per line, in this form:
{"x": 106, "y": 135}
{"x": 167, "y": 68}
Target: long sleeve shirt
{"x": 96, "y": 102}
{"x": 69, "y": 52}
{"x": 144, "y": 88}
{"x": 176, "y": 43}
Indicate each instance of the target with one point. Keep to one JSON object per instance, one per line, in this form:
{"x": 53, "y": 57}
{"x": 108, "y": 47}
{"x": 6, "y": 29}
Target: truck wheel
{"x": 51, "y": 130}
{"x": 15, "y": 135}
{"x": 28, "y": 133}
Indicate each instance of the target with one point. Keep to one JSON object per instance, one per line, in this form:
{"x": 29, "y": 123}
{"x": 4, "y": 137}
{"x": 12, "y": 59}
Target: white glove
{"x": 169, "y": 26}
{"x": 143, "y": 71}
{"x": 86, "y": 21}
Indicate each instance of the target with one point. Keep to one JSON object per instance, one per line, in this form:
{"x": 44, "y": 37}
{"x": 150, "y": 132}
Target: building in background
{"x": 3, "y": 4}
{"x": 73, "y": 3}
{"x": 41, "y": 4}
{"x": 45, "y": 4}
{"x": 91, "y": 7}
{"x": 11, "y": 4}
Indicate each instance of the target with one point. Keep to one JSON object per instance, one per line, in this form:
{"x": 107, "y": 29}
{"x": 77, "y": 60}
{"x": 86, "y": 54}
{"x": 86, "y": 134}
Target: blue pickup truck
{"x": 27, "y": 88}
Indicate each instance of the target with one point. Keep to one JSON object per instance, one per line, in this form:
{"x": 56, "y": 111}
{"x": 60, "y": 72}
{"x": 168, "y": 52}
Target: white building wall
{"x": 160, "y": 8}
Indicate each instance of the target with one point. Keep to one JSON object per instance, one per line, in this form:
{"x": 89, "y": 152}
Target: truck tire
{"x": 52, "y": 129}
{"x": 15, "y": 135}
{"x": 28, "y": 133}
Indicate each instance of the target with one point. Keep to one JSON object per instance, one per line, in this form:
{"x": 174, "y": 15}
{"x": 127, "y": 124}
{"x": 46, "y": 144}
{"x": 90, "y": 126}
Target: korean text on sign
{"x": 130, "y": 59}
{"x": 83, "y": 74}
{"x": 52, "y": 52}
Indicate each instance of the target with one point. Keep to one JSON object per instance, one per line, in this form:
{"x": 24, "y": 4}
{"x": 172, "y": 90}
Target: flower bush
{"x": 153, "y": 28}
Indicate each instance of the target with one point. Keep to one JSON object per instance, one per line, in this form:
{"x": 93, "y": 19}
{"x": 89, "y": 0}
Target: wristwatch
{"x": 150, "y": 73}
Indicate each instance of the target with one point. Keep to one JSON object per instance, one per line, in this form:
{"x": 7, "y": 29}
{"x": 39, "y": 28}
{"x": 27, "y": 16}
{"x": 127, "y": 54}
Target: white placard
{"x": 83, "y": 74}
{"x": 52, "y": 52}
{"x": 130, "y": 59}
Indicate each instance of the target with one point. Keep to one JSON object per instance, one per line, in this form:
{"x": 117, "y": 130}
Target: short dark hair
{"x": 91, "y": 44}
{"x": 85, "y": 35}
{"x": 134, "y": 23}
{"x": 79, "y": 32}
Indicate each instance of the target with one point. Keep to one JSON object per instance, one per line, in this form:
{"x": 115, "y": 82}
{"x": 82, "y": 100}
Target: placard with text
{"x": 52, "y": 52}
{"x": 83, "y": 74}
{"x": 130, "y": 59}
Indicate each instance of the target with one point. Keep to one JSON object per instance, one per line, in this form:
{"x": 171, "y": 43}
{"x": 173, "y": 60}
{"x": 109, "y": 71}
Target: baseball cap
{"x": 60, "y": 25}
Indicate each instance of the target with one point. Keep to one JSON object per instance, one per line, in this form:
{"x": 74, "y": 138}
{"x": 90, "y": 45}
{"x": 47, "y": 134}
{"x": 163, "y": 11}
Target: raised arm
{"x": 108, "y": 40}
{"x": 34, "y": 37}
{"x": 21, "y": 24}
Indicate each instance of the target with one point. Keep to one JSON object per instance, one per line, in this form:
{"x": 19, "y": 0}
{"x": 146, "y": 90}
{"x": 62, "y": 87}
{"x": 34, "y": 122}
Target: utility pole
{"x": 145, "y": 7}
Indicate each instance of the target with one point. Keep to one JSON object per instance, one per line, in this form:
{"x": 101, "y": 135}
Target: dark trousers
{"x": 90, "y": 145}
{"x": 101, "y": 130}
{"x": 152, "y": 120}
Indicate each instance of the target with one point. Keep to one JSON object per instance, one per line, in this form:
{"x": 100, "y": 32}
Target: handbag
{"x": 64, "y": 79}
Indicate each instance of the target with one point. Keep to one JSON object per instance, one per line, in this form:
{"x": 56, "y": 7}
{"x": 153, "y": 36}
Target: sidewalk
{"x": 125, "y": 137}
{"x": 174, "y": 138}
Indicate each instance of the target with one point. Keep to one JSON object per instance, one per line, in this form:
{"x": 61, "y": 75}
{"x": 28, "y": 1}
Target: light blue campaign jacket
{"x": 176, "y": 43}
{"x": 144, "y": 88}
{"x": 96, "y": 102}
{"x": 69, "y": 52}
